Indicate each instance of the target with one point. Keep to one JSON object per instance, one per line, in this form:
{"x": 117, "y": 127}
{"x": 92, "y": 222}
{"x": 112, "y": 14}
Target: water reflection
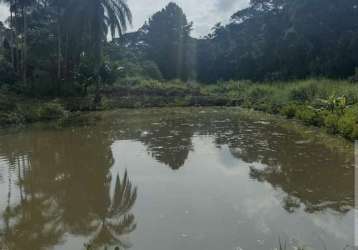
{"x": 169, "y": 141}
{"x": 312, "y": 174}
{"x": 60, "y": 182}
{"x": 115, "y": 219}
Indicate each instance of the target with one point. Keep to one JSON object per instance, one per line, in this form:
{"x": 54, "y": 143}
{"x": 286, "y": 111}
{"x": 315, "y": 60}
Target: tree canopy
{"x": 283, "y": 39}
{"x": 52, "y": 47}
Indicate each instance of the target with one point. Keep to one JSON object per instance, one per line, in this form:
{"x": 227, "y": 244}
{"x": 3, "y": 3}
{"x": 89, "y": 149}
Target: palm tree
{"x": 20, "y": 8}
{"x": 12, "y": 26}
{"x": 94, "y": 18}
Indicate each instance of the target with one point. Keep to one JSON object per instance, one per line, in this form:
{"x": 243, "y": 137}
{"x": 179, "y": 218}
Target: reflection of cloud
{"x": 341, "y": 229}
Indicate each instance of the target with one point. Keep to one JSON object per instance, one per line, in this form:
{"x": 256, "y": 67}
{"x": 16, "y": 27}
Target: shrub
{"x": 34, "y": 112}
{"x": 304, "y": 92}
{"x": 51, "y": 111}
{"x": 31, "y": 113}
{"x": 259, "y": 94}
{"x": 7, "y": 118}
{"x": 289, "y": 110}
{"x": 7, "y": 73}
{"x": 348, "y": 122}
{"x": 79, "y": 104}
{"x": 331, "y": 123}
{"x": 151, "y": 70}
{"x": 309, "y": 116}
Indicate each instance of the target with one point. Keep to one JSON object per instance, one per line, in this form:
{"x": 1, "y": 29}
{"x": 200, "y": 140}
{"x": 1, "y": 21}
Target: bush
{"x": 7, "y": 73}
{"x": 34, "y": 112}
{"x": 289, "y": 110}
{"x": 7, "y": 118}
{"x": 304, "y": 92}
{"x": 259, "y": 94}
{"x": 31, "y": 113}
{"x": 331, "y": 123}
{"x": 151, "y": 70}
{"x": 50, "y": 111}
{"x": 309, "y": 116}
{"x": 347, "y": 124}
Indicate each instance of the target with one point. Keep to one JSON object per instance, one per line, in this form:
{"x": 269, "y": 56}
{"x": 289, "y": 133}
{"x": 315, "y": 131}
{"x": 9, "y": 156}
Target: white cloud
{"x": 204, "y": 13}
{"x": 3, "y": 13}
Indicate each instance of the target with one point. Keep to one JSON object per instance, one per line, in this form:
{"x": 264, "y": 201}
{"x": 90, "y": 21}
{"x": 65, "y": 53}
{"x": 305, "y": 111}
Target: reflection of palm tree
{"x": 116, "y": 220}
{"x": 28, "y": 224}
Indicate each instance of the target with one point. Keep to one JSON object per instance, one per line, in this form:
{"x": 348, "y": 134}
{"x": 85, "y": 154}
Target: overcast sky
{"x": 204, "y": 13}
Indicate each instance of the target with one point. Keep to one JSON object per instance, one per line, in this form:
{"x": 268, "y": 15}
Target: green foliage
{"x": 54, "y": 48}
{"x": 51, "y": 111}
{"x": 331, "y": 123}
{"x": 348, "y": 122}
{"x": 41, "y": 111}
{"x": 16, "y": 109}
{"x": 304, "y": 92}
{"x": 275, "y": 40}
{"x": 289, "y": 110}
{"x": 169, "y": 43}
{"x": 7, "y": 73}
{"x": 309, "y": 116}
{"x": 151, "y": 70}
{"x": 327, "y": 103}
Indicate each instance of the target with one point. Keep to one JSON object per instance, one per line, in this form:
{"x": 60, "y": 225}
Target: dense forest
{"x": 43, "y": 53}
{"x": 270, "y": 40}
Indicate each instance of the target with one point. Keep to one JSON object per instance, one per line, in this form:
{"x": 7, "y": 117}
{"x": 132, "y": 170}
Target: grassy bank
{"x": 330, "y": 104}
{"x": 322, "y": 103}
{"x": 15, "y": 110}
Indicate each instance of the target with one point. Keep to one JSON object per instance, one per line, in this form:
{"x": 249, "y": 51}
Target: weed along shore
{"x": 329, "y": 104}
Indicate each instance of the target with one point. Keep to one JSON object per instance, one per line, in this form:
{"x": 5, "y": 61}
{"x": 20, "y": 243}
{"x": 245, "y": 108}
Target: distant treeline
{"x": 61, "y": 47}
{"x": 269, "y": 40}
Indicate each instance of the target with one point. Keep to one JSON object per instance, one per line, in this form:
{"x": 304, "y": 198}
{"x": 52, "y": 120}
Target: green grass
{"x": 332, "y": 104}
{"x": 18, "y": 110}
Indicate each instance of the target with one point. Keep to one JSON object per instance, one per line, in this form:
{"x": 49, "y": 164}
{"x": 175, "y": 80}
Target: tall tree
{"x": 168, "y": 37}
{"x": 283, "y": 39}
{"x": 95, "y": 18}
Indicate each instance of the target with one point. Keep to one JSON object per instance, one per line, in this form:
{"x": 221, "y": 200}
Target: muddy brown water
{"x": 174, "y": 179}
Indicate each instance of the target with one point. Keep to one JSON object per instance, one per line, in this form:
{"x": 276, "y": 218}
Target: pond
{"x": 175, "y": 179}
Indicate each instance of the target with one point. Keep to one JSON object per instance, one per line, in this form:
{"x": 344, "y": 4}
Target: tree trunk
{"x": 59, "y": 47}
{"x": 16, "y": 14}
{"x": 12, "y": 40}
{"x": 24, "y": 48}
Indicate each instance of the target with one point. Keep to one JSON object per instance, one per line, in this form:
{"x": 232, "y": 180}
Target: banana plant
{"x": 337, "y": 103}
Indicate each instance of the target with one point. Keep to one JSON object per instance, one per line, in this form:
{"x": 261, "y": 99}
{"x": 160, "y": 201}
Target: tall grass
{"x": 332, "y": 104}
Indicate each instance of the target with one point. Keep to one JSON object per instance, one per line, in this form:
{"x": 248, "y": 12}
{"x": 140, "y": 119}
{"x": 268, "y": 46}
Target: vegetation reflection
{"x": 116, "y": 219}
{"x": 51, "y": 192}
